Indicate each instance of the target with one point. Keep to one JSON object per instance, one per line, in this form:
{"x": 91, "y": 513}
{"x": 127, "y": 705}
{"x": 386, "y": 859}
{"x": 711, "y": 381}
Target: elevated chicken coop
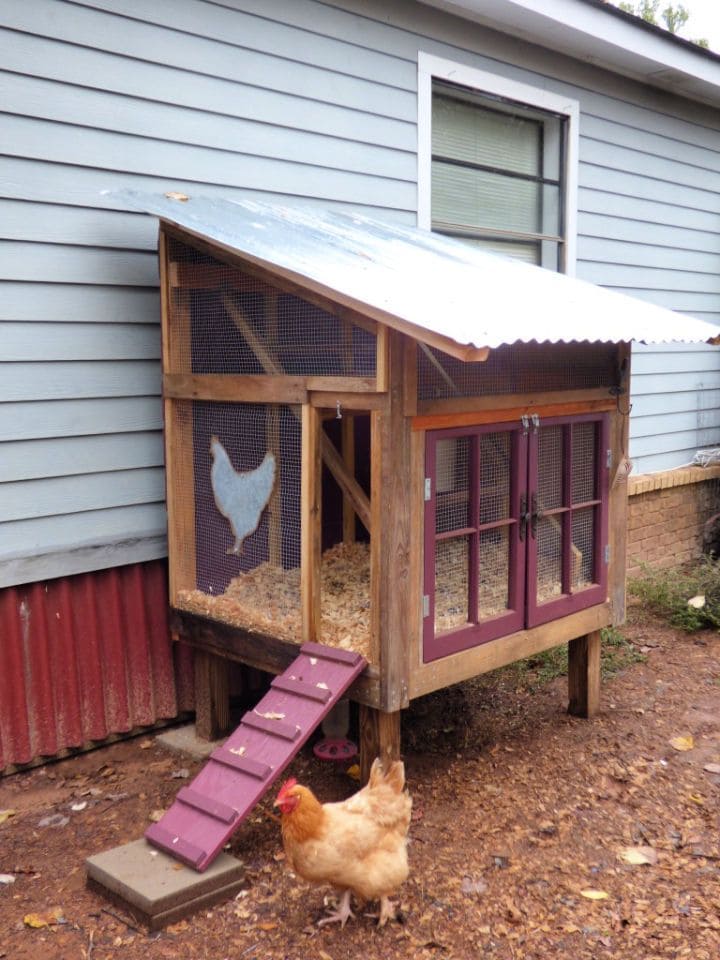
{"x": 389, "y": 442}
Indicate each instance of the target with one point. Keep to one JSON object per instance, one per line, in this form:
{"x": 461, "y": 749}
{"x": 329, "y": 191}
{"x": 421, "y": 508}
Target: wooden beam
{"x": 347, "y": 433}
{"x": 178, "y": 436}
{"x": 618, "y": 497}
{"x": 440, "y": 421}
{"x": 503, "y": 401}
{"x": 427, "y": 677}
{"x": 256, "y": 650}
{"x": 310, "y": 525}
{"x": 342, "y": 384}
{"x": 379, "y": 737}
{"x": 348, "y": 401}
{"x": 390, "y": 565}
{"x": 235, "y": 388}
{"x": 212, "y": 696}
{"x": 410, "y": 378}
{"x": 584, "y": 675}
{"x": 215, "y": 276}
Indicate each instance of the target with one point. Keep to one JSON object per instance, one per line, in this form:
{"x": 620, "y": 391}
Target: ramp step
{"x": 276, "y": 728}
{"x": 206, "y": 812}
{"x": 261, "y": 771}
{"x": 301, "y": 689}
{"x": 175, "y": 845}
{"x": 221, "y": 811}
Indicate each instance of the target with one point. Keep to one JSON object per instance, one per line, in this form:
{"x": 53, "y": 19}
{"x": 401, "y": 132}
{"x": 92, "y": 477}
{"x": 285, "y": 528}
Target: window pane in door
{"x": 451, "y": 584}
{"x": 583, "y": 466}
{"x": 549, "y": 559}
{"x": 550, "y": 467}
{"x": 494, "y": 563}
{"x": 495, "y": 454}
{"x": 583, "y": 536}
{"x": 452, "y": 457}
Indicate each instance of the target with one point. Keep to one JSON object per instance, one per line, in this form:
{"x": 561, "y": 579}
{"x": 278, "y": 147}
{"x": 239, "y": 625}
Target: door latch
{"x": 535, "y": 515}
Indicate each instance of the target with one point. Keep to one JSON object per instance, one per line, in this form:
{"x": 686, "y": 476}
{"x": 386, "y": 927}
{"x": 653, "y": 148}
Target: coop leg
{"x": 212, "y": 696}
{"x": 379, "y": 737}
{"x": 584, "y": 675}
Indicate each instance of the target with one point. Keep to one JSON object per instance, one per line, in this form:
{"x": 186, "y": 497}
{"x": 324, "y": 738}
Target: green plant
{"x": 667, "y": 592}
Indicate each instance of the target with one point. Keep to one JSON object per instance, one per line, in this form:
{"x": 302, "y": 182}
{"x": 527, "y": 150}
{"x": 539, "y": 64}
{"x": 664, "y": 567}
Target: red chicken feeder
{"x": 338, "y": 749}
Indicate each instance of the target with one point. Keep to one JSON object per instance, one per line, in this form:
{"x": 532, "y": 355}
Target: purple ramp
{"x": 206, "y": 813}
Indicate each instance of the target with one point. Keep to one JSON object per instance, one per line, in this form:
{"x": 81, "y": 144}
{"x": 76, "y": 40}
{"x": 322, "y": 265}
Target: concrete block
{"x": 156, "y": 889}
{"x": 184, "y": 739}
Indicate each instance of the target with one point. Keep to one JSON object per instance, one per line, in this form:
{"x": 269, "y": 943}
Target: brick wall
{"x": 667, "y": 512}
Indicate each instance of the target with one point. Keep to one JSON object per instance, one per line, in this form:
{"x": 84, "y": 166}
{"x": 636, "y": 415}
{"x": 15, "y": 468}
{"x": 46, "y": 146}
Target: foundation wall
{"x": 667, "y": 513}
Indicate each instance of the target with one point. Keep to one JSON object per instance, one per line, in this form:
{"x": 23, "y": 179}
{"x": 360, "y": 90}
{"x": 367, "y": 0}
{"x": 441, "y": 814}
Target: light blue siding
{"x": 314, "y": 102}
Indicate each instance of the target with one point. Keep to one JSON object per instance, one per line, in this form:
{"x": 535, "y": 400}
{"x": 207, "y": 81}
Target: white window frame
{"x": 435, "y": 68}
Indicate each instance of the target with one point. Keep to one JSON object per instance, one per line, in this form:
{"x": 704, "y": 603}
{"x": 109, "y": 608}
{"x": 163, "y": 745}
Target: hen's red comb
{"x": 287, "y": 786}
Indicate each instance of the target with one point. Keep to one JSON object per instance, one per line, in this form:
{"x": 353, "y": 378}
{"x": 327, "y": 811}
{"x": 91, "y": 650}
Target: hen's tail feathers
{"x": 394, "y": 776}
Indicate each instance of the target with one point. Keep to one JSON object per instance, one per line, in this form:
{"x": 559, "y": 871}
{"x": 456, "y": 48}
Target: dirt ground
{"x": 523, "y": 818}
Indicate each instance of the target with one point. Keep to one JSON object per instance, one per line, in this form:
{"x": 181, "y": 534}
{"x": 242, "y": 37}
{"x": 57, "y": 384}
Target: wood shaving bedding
{"x": 267, "y": 599}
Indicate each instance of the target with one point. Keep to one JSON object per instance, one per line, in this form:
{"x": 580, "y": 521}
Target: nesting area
{"x": 267, "y": 599}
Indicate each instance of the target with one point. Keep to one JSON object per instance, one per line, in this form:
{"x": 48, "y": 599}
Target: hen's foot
{"x": 388, "y": 911}
{"x": 342, "y": 914}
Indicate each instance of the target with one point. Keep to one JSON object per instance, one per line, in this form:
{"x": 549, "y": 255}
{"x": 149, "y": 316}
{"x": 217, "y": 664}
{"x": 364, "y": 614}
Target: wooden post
{"x": 310, "y": 530}
{"x": 347, "y": 429}
{"x": 212, "y": 696}
{"x": 379, "y": 737}
{"x": 584, "y": 675}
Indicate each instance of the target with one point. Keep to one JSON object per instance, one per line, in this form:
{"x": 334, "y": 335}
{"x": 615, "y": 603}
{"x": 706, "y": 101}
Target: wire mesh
{"x": 583, "y": 537}
{"x": 494, "y": 565}
{"x": 228, "y": 321}
{"x": 549, "y": 559}
{"x": 518, "y": 368}
{"x": 495, "y": 455}
{"x": 451, "y": 584}
{"x": 583, "y": 461}
{"x": 247, "y": 474}
{"x": 452, "y": 484}
{"x": 551, "y": 454}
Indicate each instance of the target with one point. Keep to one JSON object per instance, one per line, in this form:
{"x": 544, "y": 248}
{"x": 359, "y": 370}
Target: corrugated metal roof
{"x": 421, "y": 282}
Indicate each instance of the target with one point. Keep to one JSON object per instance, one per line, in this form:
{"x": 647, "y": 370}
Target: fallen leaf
{"x": 178, "y": 866}
{"x": 270, "y": 715}
{"x": 682, "y": 743}
{"x": 696, "y": 798}
{"x": 594, "y": 894}
{"x": 77, "y": 807}
{"x": 176, "y": 195}
{"x": 697, "y": 603}
{"x": 353, "y": 772}
{"x": 37, "y": 920}
{"x": 146, "y": 744}
{"x": 7, "y": 878}
{"x": 266, "y": 926}
{"x": 712, "y": 767}
{"x": 157, "y": 815}
{"x": 322, "y": 686}
{"x": 638, "y": 856}
{"x": 6, "y": 814}
{"x": 238, "y": 751}
{"x": 323, "y": 955}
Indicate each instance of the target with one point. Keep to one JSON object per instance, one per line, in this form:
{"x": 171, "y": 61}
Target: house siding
{"x": 311, "y": 102}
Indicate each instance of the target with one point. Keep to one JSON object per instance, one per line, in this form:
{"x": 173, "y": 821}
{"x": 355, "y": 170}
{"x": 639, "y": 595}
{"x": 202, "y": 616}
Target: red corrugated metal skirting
{"x": 87, "y": 656}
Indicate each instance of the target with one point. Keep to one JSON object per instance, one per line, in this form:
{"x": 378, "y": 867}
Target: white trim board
{"x": 435, "y": 68}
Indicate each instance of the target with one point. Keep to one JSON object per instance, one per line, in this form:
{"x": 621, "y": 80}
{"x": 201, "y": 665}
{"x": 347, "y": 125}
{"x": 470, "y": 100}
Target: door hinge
{"x": 426, "y": 605}
{"x": 428, "y": 488}
{"x": 608, "y": 459}
{"x": 607, "y": 553}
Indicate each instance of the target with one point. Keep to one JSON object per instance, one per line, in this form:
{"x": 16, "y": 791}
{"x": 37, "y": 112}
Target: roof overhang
{"x": 600, "y": 34}
{"x": 442, "y": 292}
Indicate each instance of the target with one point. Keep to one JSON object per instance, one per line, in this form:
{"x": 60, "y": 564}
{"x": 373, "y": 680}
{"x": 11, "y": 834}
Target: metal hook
{"x": 338, "y": 411}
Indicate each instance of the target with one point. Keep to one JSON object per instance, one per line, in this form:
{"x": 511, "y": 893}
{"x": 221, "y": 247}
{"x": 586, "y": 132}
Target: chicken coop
{"x": 388, "y": 442}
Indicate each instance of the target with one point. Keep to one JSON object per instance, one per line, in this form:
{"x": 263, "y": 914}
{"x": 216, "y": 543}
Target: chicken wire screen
{"x": 516, "y": 369}
{"x": 247, "y": 475}
{"x": 227, "y": 321}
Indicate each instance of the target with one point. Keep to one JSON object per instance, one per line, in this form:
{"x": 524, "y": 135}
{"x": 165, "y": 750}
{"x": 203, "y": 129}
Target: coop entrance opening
{"x": 515, "y": 527}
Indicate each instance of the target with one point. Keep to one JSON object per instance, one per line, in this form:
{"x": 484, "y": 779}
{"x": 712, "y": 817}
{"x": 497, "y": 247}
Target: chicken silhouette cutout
{"x": 240, "y": 497}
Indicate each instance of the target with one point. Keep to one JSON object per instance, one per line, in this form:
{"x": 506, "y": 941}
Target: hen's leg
{"x": 388, "y": 911}
{"x": 342, "y": 914}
